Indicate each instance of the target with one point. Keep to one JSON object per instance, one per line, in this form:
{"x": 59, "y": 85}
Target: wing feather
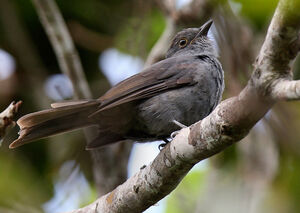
{"x": 168, "y": 74}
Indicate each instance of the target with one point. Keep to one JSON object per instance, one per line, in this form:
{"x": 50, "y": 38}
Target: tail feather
{"x": 71, "y": 103}
{"x": 54, "y": 121}
{"x": 104, "y": 138}
{"x": 57, "y": 111}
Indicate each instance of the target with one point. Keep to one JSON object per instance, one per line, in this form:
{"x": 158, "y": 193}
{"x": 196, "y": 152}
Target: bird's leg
{"x": 179, "y": 124}
{"x": 173, "y": 134}
{"x": 162, "y": 145}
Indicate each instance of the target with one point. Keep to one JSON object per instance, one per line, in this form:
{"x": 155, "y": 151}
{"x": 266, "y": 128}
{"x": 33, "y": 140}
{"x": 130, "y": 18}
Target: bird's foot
{"x": 162, "y": 145}
{"x": 173, "y": 135}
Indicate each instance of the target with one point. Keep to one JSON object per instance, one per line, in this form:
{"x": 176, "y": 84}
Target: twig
{"x": 158, "y": 52}
{"x": 6, "y": 117}
{"x": 89, "y": 39}
{"x": 105, "y": 161}
{"x": 61, "y": 40}
{"x": 227, "y": 124}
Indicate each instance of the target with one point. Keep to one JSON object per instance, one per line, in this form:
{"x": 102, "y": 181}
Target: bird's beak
{"x": 205, "y": 28}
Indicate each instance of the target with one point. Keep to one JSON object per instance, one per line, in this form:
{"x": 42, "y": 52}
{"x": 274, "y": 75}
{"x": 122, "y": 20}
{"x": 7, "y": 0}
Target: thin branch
{"x": 61, "y": 40}
{"x": 89, "y": 39}
{"x": 167, "y": 6}
{"x": 6, "y": 117}
{"x": 105, "y": 161}
{"x": 158, "y": 52}
{"x": 227, "y": 124}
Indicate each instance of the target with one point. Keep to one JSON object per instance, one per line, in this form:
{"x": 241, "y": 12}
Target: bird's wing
{"x": 168, "y": 74}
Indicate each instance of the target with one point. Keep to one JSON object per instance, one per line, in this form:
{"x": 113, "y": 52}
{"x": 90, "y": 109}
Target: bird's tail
{"x": 62, "y": 117}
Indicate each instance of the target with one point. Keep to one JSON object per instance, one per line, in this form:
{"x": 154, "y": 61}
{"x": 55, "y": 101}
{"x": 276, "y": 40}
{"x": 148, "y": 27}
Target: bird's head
{"x": 192, "y": 41}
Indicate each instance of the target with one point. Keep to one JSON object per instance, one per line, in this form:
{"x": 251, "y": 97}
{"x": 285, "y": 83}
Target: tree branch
{"x": 158, "y": 51}
{"x": 105, "y": 161}
{"x": 227, "y": 124}
{"x": 286, "y": 90}
{"x": 6, "y": 117}
{"x": 61, "y": 40}
{"x": 89, "y": 39}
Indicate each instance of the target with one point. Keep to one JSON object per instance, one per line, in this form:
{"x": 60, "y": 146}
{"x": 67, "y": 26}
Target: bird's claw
{"x": 173, "y": 134}
{"x": 162, "y": 145}
{"x": 166, "y": 141}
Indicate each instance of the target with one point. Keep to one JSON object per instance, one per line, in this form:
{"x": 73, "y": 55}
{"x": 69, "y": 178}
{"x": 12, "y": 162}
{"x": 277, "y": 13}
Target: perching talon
{"x": 173, "y": 134}
{"x": 162, "y": 145}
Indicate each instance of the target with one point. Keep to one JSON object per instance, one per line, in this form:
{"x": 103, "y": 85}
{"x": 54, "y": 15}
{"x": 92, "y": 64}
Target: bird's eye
{"x": 183, "y": 42}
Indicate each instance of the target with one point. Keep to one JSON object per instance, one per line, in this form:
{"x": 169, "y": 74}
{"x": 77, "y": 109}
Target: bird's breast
{"x": 186, "y": 105}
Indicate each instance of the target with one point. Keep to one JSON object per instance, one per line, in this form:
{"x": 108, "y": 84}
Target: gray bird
{"x": 183, "y": 88}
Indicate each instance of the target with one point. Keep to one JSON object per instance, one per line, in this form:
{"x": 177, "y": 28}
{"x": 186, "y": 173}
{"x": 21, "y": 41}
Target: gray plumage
{"x": 185, "y": 87}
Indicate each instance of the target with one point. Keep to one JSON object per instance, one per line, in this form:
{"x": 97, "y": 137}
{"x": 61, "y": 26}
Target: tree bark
{"x": 6, "y": 118}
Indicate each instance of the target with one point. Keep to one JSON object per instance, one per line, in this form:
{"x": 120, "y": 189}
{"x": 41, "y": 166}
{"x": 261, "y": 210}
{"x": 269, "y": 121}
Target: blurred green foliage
{"x": 288, "y": 180}
{"x": 21, "y": 185}
{"x": 258, "y": 12}
{"x": 139, "y": 34}
{"x": 184, "y": 198}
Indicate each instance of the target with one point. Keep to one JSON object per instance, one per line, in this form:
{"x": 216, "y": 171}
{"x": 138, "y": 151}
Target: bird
{"x": 177, "y": 91}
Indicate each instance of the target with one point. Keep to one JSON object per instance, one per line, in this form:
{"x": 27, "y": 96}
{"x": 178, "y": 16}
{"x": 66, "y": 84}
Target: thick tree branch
{"x": 6, "y": 117}
{"x": 251, "y": 182}
{"x": 227, "y": 124}
{"x": 273, "y": 64}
